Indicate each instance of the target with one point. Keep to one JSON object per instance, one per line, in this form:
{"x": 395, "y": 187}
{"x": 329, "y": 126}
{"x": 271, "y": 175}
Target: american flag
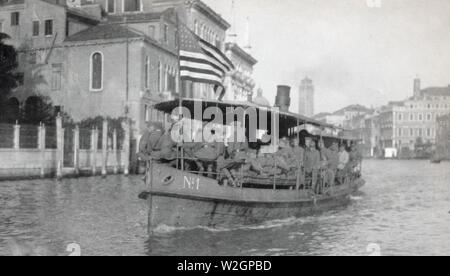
{"x": 202, "y": 62}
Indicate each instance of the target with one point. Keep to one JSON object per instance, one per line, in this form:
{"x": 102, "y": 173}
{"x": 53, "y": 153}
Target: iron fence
{"x": 28, "y": 137}
{"x": 6, "y": 136}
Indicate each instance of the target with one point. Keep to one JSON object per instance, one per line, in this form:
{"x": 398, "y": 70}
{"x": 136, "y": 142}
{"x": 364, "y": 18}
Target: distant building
{"x": 443, "y": 136}
{"x": 359, "y": 122}
{"x": 240, "y": 83}
{"x": 260, "y": 99}
{"x": 351, "y": 112}
{"x": 344, "y": 118}
{"x": 386, "y": 126}
{"x": 306, "y": 98}
{"x": 404, "y": 123}
{"x": 331, "y": 118}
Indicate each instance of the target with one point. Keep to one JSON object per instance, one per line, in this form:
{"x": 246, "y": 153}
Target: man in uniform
{"x": 285, "y": 156}
{"x": 297, "y": 153}
{"x": 342, "y": 165}
{"x": 166, "y": 148}
{"x": 355, "y": 158}
{"x": 207, "y": 154}
{"x": 190, "y": 147}
{"x": 324, "y": 164}
{"x": 312, "y": 162}
{"x": 267, "y": 162}
{"x": 238, "y": 147}
{"x": 239, "y": 154}
{"x": 272, "y": 164}
{"x": 333, "y": 162}
{"x": 157, "y": 145}
{"x": 298, "y": 159}
{"x": 149, "y": 141}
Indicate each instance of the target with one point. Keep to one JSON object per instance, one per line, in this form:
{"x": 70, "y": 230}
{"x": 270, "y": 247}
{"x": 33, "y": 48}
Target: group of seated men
{"x": 315, "y": 165}
{"x": 330, "y": 166}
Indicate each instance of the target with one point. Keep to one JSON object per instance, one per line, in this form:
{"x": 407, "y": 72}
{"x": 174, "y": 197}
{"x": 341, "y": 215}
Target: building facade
{"x": 331, "y": 118}
{"x": 204, "y": 22}
{"x": 414, "y": 119}
{"x": 113, "y": 58}
{"x": 38, "y": 30}
{"x": 306, "y": 98}
{"x": 371, "y": 136}
{"x": 89, "y": 63}
{"x": 348, "y": 117}
{"x": 239, "y": 83}
{"x": 386, "y": 126}
{"x": 443, "y": 137}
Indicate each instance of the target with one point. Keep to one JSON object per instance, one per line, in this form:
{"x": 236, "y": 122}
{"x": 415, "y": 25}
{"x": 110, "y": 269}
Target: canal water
{"x": 404, "y": 209}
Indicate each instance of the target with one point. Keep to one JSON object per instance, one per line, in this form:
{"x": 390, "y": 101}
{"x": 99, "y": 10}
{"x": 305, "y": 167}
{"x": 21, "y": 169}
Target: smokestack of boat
{"x": 283, "y": 99}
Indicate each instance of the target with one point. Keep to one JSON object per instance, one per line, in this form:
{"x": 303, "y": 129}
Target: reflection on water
{"x": 403, "y": 209}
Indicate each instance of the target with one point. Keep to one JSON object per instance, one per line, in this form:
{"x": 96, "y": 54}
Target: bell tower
{"x": 416, "y": 87}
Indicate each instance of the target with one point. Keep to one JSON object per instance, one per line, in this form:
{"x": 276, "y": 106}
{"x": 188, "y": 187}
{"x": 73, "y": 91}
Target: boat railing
{"x": 318, "y": 180}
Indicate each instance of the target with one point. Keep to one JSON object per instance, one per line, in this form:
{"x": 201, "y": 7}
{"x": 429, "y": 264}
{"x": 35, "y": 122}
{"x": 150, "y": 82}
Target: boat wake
{"x": 165, "y": 229}
{"x": 356, "y": 198}
{"x": 278, "y": 223}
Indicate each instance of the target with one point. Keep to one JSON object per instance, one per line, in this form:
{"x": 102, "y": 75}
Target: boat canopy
{"x": 287, "y": 119}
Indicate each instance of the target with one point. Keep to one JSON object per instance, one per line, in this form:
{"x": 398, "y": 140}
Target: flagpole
{"x": 180, "y": 96}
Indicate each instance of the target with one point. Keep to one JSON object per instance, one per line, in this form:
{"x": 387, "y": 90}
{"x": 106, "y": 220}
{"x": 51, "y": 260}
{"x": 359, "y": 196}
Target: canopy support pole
{"x": 299, "y": 169}
{"x": 180, "y": 92}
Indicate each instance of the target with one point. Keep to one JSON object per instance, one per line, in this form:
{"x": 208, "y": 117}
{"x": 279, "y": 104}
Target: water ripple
{"x": 404, "y": 208}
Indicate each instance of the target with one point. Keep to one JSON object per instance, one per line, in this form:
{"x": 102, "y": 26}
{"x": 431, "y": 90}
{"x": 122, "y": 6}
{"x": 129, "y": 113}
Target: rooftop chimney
{"x": 283, "y": 100}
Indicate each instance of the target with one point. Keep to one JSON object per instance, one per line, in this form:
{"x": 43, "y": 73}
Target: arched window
{"x": 97, "y": 71}
{"x": 34, "y": 111}
{"x": 11, "y": 111}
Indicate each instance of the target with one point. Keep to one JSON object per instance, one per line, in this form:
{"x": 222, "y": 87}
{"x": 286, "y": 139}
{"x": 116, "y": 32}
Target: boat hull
{"x": 190, "y": 201}
{"x": 191, "y": 213}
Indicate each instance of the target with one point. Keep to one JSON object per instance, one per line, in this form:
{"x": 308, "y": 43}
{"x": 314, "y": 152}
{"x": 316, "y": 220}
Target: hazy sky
{"x": 353, "y": 53}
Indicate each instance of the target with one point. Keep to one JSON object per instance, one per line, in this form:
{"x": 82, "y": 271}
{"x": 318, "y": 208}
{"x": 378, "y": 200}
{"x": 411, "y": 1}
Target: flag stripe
{"x": 202, "y": 62}
{"x": 210, "y": 55}
{"x": 217, "y": 53}
{"x": 199, "y": 70}
{"x": 202, "y": 56}
{"x": 189, "y": 62}
{"x": 188, "y": 73}
{"x": 199, "y": 80}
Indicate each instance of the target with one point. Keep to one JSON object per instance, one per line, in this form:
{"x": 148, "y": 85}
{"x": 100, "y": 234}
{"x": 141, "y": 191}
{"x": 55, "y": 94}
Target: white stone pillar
{"x": 126, "y": 148}
{"x": 94, "y": 145}
{"x": 16, "y": 136}
{"x": 115, "y": 152}
{"x": 76, "y": 149}
{"x": 59, "y": 147}
{"x": 104, "y": 146}
{"x": 42, "y": 148}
